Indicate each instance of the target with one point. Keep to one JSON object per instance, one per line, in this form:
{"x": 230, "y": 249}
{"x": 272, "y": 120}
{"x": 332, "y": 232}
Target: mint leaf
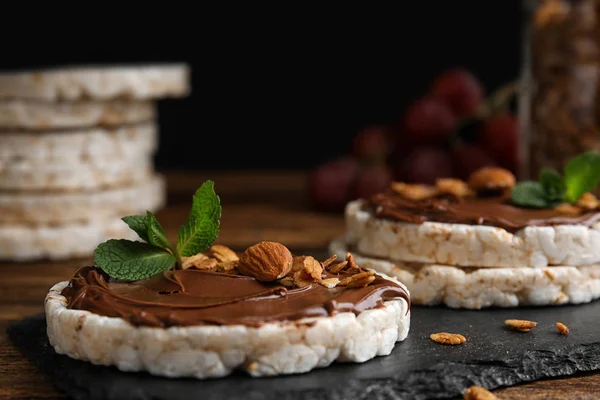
{"x": 139, "y": 224}
{"x": 553, "y": 184}
{"x": 529, "y": 194}
{"x": 201, "y": 228}
{"x": 582, "y": 174}
{"x": 128, "y": 260}
{"x": 156, "y": 233}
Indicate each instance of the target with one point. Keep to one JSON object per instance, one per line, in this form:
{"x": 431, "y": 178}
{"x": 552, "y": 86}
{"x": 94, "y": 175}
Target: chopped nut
{"x": 302, "y": 279}
{"x": 227, "y": 265}
{"x": 338, "y": 267}
{"x": 329, "y": 261}
{"x": 330, "y": 283}
{"x": 199, "y": 261}
{"x": 453, "y": 186}
{"x": 208, "y": 263}
{"x": 562, "y": 328}
{"x": 357, "y": 277}
{"x": 568, "y": 209}
{"x": 266, "y": 261}
{"x": 414, "y": 191}
{"x": 492, "y": 179}
{"x": 298, "y": 263}
{"x": 351, "y": 262}
{"x": 478, "y": 393}
{"x": 588, "y": 201}
{"x": 520, "y": 324}
{"x": 288, "y": 281}
{"x": 195, "y": 257}
{"x": 313, "y": 268}
{"x": 308, "y": 264}
{"x": 448, "y": 338}
{"x": 364, "y": 282}
{"x": 223, "y": 253}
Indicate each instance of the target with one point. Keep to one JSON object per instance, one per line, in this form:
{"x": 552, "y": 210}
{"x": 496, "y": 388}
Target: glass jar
{"x": 559, "y": 101}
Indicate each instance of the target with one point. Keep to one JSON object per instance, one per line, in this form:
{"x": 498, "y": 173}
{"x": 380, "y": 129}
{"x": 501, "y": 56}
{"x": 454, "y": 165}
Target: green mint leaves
{"x": 530, "y": 194}
{"x": 128, "y": 260}
{"x": 133, "y": 260}
{"x": 202, "y": 225}
{"x": 139, "y": 225}
{"x": 581, "y": 175}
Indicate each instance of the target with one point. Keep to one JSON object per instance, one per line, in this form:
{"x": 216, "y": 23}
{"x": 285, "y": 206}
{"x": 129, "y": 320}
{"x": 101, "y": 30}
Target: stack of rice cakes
{"x": 77, "y": 146}
{"x": 477, "y": 252}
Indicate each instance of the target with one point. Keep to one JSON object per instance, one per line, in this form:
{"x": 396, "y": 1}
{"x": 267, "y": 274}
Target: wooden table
{"x": 256, "y": 206}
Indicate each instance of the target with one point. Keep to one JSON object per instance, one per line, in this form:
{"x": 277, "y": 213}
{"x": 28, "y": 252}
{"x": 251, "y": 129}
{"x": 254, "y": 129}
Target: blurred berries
{"x": 330, "y": 184}
{"x": 428, "y": 121}
{"x": 372, "y": 179}
{"x": 459, "y": 89}
{"x": 425, "y": 165}
{"x": 499, "y": 135}
{"x": 468, "y": 157}
{"x": 441, "y": 134}
{"x": 372, "y": 145}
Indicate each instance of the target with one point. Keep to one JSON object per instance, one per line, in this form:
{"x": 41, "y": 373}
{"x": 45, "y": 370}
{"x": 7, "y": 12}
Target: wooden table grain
{"x": 257, "y": 205}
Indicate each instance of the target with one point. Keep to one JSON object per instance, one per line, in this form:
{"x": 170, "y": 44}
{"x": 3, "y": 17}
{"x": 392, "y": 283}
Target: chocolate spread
{"x": 195, "y": 297}
{"x": 492, "y": 211}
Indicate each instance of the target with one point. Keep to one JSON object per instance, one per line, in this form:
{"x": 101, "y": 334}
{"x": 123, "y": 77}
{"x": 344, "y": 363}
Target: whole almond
{"x": 492, "y": 179}
{"x": 266, "y": 261}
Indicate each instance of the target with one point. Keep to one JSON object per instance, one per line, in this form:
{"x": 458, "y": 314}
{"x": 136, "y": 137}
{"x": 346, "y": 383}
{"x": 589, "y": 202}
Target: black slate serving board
{"x": 418, "y": 368}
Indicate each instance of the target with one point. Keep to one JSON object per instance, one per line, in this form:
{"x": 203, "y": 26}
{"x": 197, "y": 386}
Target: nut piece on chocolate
{"x": 414, "y": 191}
{"x": 492, "y": 179}
{"x": 456, "y": 187}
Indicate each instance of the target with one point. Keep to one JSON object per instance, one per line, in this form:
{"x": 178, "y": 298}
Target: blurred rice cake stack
{"x": 76, "y": 154}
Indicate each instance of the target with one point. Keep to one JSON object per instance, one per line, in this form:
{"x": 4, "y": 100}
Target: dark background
{"x": 287, "y": 88}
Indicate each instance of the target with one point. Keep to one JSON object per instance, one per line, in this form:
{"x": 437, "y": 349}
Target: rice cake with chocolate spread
{"x": 98, "y": 82}
{"x": 24, "y": 115}
{"x": 204, "y": 323}
{"x": 477, "y": 288}
{"x": 470, "y": 232}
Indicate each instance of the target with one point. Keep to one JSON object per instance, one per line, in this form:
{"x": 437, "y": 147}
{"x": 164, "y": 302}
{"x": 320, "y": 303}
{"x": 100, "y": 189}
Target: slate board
{"x": 418, "y": 368}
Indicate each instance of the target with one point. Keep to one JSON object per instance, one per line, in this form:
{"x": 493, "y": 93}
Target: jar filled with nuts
{"x": 559, "y": 104}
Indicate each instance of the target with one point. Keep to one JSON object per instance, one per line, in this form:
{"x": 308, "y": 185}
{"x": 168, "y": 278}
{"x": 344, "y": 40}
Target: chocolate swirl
{"x": 194, "y": 297}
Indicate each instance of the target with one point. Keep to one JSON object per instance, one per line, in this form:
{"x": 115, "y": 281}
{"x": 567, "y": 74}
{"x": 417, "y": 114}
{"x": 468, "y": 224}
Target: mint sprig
{"x": 581, "y": 175}
{"x": 128, "y": 260}
{"x": 134, "y": 260}
{"x": 202, "y": 225}
{"x": 139, "y": 224}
